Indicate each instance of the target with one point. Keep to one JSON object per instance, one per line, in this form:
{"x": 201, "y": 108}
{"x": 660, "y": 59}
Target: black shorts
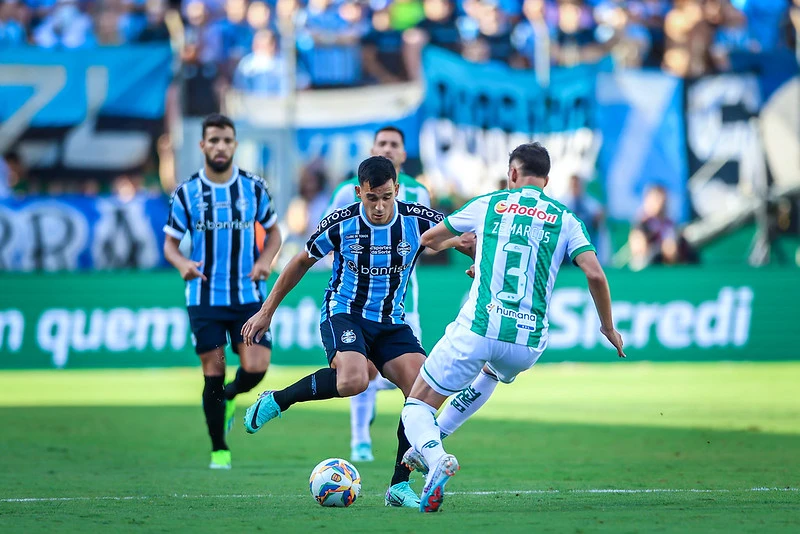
{"x": 212, "y": 326}
{"x": 379, "y": 342}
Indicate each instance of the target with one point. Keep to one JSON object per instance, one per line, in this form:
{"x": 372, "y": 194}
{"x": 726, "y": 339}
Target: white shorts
{"x": 459, "y": 356}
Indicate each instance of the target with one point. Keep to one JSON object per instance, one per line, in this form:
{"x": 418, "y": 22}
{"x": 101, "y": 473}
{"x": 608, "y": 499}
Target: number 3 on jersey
{"x": 518, "y": 269}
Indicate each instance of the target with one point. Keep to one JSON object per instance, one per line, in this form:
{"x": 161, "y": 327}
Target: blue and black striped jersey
{"x": 371, "y": 264}
{"x": 221, "y": 221}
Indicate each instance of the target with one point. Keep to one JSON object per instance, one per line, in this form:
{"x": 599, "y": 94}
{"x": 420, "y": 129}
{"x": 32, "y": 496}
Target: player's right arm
{"x": 324, "y": 240}
{"x": 189, "y": 269}
{"x": 601, "y": 294}
{"x": 176, "y": 227}
{"x": 258, "y": 324}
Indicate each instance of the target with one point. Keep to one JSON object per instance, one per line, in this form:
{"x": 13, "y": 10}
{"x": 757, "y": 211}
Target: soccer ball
{"x": 335, "y": 482}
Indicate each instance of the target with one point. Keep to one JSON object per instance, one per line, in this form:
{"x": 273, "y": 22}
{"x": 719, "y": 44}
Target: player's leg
{"x": 253, "y": 361}
{"x": 452, "y": 365}
{"x": 210, "y": 340}
{"x": 398, "y": 354}
{"x": 466, "y": 402}
{"x": 362, "y": 407}
{"x": 455, "y": 413}
{"x": 346, "y": 376}
{"x": 420, "y": 423}
{"x": 362, "y": 411}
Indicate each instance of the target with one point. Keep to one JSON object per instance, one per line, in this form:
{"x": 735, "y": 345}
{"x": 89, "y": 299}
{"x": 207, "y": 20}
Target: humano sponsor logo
{"x": 503, "y": 207}
{"x": 678, "y": 324}
{"x": 525, "y": 321}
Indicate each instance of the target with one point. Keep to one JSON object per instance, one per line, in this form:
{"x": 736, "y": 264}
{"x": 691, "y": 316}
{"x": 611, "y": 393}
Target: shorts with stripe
{"x": 378, "y": 342}
{"x": 215, "y": 326}
{"x": 459, "y": 356}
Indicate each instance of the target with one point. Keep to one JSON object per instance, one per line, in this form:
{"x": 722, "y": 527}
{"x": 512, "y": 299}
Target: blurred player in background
{"x": 219, "y": 207}
{"x": 522, "y": 238}
{"x": 389, "y": 142}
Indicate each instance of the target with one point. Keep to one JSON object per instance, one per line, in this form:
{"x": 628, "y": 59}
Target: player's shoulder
{"x": 485, "y": 199}
{"x": 184, "y": 187}
{"x": 558, "y": 205}
{"x": 413, "y": 209}
{"x": 350, "y": 182}
{"x": 338, "y": 216}
{"x": 410, "y": 182}
{"x": 257, "y": 180}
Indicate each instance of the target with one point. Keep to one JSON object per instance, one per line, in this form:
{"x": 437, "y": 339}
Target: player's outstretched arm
{"x": 440, "y": 238}
{"x": 601, "y": 294}
{"x": 189, "y": 269}
{"x": 258, "y": 324}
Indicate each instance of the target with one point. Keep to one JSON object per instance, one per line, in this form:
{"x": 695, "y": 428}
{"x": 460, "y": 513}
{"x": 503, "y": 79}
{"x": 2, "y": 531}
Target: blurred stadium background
{"x": 674, "y": 129}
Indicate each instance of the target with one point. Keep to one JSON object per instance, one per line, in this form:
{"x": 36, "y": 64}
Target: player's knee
{"x": 352, "y": 384}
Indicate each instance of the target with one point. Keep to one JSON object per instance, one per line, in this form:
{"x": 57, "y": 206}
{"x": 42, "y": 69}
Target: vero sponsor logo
{"x": 514, "y": 208}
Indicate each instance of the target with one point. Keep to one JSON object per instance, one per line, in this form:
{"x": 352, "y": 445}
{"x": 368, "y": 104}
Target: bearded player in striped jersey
{"x": 522, "y": 238}
{"x": 225, "y": 275}
{"x": 389, "y": 142}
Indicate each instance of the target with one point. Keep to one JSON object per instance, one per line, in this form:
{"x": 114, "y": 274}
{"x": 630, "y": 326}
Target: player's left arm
{"x": 272, "y": 245}
{"x": 441, "y": 238}
{"x": 265, "y": 214}
{"x": 457, "y": 230}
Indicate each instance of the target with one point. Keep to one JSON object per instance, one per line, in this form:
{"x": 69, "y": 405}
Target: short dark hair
{"x": 534, "y": 159}
{"x": 391, "y": 129}
{"x": 376, "y": 171}
{"x": 217, "y": 120}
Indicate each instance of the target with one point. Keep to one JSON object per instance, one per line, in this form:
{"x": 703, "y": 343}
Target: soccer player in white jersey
{"x": 522, "y": 238}
{"x": 389, "y": 142}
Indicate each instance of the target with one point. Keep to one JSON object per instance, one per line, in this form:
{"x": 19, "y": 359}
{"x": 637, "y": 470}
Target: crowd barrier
{"x": 138, "y": 319}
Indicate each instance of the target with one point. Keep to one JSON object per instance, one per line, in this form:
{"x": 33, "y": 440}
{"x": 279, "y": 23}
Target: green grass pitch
{"x": 621, "y": 447}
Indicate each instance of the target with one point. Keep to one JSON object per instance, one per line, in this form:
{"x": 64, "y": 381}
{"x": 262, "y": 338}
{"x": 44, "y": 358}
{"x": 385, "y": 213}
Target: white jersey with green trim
{"x": 410, "y": 191}
{"x": 523, "y": 237}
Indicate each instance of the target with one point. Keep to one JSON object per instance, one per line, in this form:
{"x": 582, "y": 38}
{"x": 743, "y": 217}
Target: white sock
{"x": 362, "y": 407}
{"x": 382, "y": 383}
{"x": 421, "y": 430}
{"x": 465, "y": 403}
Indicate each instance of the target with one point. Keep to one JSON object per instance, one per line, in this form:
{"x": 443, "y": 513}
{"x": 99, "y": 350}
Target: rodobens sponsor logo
{"x": 514, "y": 208}
{"x": 677, "y": 324}
{"x": 61, "y": 332}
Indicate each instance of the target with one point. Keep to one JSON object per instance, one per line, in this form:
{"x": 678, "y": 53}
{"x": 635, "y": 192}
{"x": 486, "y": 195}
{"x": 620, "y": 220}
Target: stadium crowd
{"x": 345, "y": 43}
{"x": 243, "y": 45}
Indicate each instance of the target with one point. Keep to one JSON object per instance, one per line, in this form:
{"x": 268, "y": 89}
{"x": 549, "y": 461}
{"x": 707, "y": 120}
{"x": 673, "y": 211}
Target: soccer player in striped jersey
{"x": 522, "y": 238}
{"x": 376, "y": 244}
{"x": 389, "y": 142}
{"x": 225, "y": 275}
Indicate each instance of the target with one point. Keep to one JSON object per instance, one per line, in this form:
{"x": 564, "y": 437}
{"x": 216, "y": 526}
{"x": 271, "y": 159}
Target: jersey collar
{"x": 533, "y": 187}
{"x": 234, "y": 175}
{"x": 378, "y": 226}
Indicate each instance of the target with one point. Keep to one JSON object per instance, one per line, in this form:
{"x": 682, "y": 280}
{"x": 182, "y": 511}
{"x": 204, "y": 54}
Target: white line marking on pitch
{"x": 498, "y": 492}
